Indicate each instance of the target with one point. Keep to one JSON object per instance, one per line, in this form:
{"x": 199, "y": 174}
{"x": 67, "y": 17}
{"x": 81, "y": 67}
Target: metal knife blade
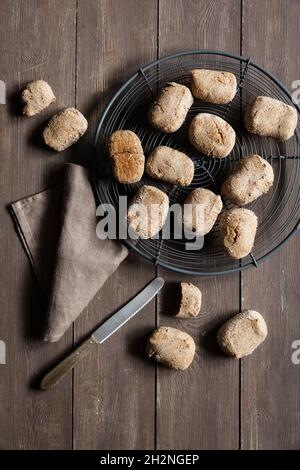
{"x": 109, "y": 327}
{"x": 118, "y": 319}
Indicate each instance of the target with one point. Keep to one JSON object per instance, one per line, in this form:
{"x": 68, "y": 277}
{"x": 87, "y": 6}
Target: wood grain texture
{"x": 270, "y": 382}
{"x": 65, "y": 366}
{"x": 114, "y": 389}
{"x": 190, "y": 408}
{"x": 119, "y": 399}
{"x": 37, "y": 40}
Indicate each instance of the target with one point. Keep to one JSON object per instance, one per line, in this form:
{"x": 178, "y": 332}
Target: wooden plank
{"x": 199, "y": 408}
{"x": 270, "y": 381}
{"x": 37, "y": 40}
{"x": 202, "y": 413}
{"x": 114, "y": 390}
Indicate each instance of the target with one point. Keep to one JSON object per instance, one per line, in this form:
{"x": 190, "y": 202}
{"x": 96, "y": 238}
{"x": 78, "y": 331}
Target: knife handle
{"x": 67, "y": 364}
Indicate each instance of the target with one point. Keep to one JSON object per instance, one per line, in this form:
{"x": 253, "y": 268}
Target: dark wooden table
{"x": 117, "y": 399}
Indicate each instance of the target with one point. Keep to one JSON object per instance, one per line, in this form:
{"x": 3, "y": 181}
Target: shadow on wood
{"x": 136, "y": 344}
{"x": 169, "y": 299}
{"x": 13, "y": 100}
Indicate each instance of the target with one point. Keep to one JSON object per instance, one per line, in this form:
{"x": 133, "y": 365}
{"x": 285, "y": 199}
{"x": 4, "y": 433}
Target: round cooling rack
{"x": 277, "y": 211}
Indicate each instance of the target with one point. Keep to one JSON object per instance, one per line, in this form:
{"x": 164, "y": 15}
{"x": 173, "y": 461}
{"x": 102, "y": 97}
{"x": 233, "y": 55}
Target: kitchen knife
{"x": 101, "y": 334}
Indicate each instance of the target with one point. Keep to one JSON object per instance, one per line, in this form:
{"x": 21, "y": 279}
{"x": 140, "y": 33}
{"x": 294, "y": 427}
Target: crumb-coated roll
{"x": 190, "y": 300}
{"x": 268, "y": 117}
{"x": 147, "y": 212}
{"x": 242, "y": 334}
{"x": 213, "y": 86}
{"x": 172, "y": 347}
{"x": 169, "y": 110}
{"x": 64, "y": 129}
{"x": 211, "y": 135}
{"x": 127, "y": 155}
{"x": 200, "y": 211}
{"x": 252, "y": 177}
{"x": 237, "y": 231}
{"x": 170, "y": 165}
{"x": 36, "y": 96}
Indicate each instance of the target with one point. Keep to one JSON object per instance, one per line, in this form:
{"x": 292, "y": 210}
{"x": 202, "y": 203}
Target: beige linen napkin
{"x": 62, "y": 220}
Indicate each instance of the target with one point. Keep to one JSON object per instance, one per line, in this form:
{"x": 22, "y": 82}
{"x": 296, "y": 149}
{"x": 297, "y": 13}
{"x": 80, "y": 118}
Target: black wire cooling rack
{"x": 277, "y": 211}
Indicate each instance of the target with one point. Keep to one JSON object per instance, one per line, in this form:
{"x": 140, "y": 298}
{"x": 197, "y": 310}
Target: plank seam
{"x": 75, "y": 103}
{"x": 156, "y": 267}
{"x": 240, "y": 273}
{"x": 76, "y": 52}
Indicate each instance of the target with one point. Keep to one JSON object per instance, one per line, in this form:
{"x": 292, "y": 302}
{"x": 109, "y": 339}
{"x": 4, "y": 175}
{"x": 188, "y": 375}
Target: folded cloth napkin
{"x": 62, "y": 220}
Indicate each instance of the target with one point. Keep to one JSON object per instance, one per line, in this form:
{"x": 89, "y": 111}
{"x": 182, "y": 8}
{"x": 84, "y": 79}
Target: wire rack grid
{"x": 277, "y": 211}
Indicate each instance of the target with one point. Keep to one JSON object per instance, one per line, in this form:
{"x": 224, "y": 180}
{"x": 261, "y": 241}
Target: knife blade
{"x": 103, "y": 332}
{"x": 123, "y": 315}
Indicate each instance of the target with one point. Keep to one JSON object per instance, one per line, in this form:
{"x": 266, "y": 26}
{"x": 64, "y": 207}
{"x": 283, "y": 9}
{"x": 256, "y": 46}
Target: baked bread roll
{"x": 271, "y": 118}
{"x": 64, "y": 129}
{"x": 213, "y": 86}
{"x": 211, "y": 135}
{"x": 237, "y": 231}
{"x": 190, "y": 300}
{"x": 169, "y": 110}
{"x": 127, "y": 155}
{"x": 170, "y": 165}
{"x": 252, "y": 177}
{"x": 242, "y": 334}
{"x": 147, "y": 212}
{"x": 171, "y": 347}
{"x": 200, "y": 211}
{"x": 36, "y": 96}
